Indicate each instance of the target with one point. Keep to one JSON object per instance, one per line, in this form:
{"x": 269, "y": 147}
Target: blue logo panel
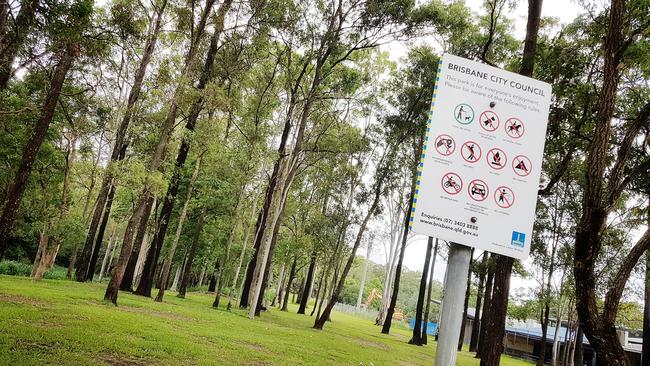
{"x": 518, "y": 239}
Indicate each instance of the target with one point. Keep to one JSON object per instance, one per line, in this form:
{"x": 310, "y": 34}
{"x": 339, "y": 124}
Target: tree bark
{"x": 103, "y": 206}
{"x": 486, "y": 307}
{"x": 11, "y": 42}
{"x": 491, "y": 354}
{"x": 190, "y": 259}
{"x": 645, "y": 358}
{"x": 179, "y": 230}
{"x": 155, "y": 162}
{"x": 19, "y": 184}
{"x": 292, "y": 275}
{"x": 109, "y": 254}
{"x": 146, "y": 282}
{"x": 473, "y": 344}
{"x": 461, "y": 338}
{"x": 426, "y": 308}
{"x": 416, "y": 338}
{"x": 130, "y": 275}
{"x": 362, "y": 285}
{"x": 578, "y": 355}
{"x": 307, "y": 290}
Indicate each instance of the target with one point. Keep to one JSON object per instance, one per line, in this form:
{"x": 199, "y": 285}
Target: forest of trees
{"x": 260, "y": 147}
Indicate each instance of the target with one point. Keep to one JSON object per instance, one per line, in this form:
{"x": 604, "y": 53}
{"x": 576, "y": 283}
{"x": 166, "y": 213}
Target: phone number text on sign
{"x": 450, "y": 224}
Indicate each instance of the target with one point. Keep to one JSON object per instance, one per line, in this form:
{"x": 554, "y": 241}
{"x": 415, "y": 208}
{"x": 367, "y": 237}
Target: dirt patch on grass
{"x": 253, "y": 346}
{"x": 118, "y": 359}
{"x": 23, "y": 300}
{"x": 161, "y": 314}
{"x": 34, "y": 346}
{"x": 372, "y": 344}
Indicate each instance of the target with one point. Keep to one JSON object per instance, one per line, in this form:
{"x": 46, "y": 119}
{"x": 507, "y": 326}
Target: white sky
{"x": 565, "y": 11}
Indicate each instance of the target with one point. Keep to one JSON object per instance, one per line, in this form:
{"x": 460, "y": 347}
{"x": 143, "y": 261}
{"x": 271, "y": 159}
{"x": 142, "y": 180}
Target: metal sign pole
{"x": 452, "y": 310}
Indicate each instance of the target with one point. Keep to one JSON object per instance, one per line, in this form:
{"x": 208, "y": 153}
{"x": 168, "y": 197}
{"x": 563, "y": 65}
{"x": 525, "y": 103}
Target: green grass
{"x": 63, "y": 322}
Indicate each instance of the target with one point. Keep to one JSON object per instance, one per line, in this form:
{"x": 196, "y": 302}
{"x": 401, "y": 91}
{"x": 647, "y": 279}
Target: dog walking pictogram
{"x": 521, "y": 165}
{"x": 445, "y": 145}
{"x": 489, "y": 121}
{"x": 464, "y": 114}
{"x": 471, "y": 152}
{"x": 515, "y": 128}
{"x": 496, "y": 158}
{"x": 451, "y": 183}
{"x": 478, "y": 190}
{"x": 504, "y": 197}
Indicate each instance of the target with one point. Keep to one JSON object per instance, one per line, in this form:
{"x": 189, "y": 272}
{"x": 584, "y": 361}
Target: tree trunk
{"x": 107, "y": 254}
{"x": 190, "y": 259}
{"x": 278, "y": 289}
{"x": 578, "y": 355}
{"x": 378, "y": 189}
{"x": 179, "y": 230}
{"x": 416, "y": 338}
{"x": 292, "y": 275}
{"x": 155, "y": 162}
{"x": 473, "y": 344}
{"x": 318, "y": 292}
{"x": 556, "y": 337}
{"x": 146, "y": 282}
{"x": 406, "y": 227}
{"x": 426, "y": 308}
{"x": 307, "y": 290}
{"x": 19, "y": 184}
{"x": 492, "y": 346}
{"x": 213, "y": 278}
{"x": 12, "y": 42}
{"x": 221, "y": 279}
{"x": 491, "y": 354}
{"x": 362, "y": 285}
{"x": 42, "y": 244}
{"x": 461, "y": 338}
{"x": 103, "y": 206}
{"x": 486, "y": 308}
{"x": 139, "y": 246}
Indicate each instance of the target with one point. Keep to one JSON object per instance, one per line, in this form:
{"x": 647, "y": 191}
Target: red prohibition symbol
{"x": 496, "y": 158}
{"x": 471, "y": 152}
{"x": 504, "y": 197}
{"x": 451, "y": 183}
{"x": 521, "y": 165}
{"x": 489, "y": 121}
{"x": 515, "y": 128}
{"x": 445, "y": 145}
{"x": 478, "y": 190}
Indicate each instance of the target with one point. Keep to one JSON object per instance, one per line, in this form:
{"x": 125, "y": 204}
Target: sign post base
{"x": 452, "y": 304}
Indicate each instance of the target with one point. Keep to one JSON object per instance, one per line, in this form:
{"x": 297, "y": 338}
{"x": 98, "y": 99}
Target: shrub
{"x": 14, "y": 268}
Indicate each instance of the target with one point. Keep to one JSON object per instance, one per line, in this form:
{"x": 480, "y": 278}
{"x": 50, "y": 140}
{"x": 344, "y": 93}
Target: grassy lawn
{"x": 63, "y": 322}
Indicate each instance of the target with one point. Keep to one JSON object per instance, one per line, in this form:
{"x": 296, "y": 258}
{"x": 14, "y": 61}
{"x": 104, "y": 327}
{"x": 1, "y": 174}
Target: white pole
{"x": 452, "y": 310}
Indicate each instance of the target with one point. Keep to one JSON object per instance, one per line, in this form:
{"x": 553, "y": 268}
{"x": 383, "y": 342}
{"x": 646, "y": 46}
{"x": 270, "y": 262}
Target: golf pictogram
{"x": 451, "y": 183}
{"x": 496, "y": 158}
{"x": 478, "y": 190}
{"x": 521, "y": 165}
{"x": 470, "y": 151}
{"x": 515, "y": 128}
{"x": 504, "y": 197}
{"x": 489, "y": 121}
{"x": 464, "y": 114}
{"x": 445, "y": 145}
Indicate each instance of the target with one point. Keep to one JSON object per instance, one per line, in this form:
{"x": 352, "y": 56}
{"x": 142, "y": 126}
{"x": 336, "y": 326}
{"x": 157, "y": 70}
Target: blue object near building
{"x": 431, "y": 327}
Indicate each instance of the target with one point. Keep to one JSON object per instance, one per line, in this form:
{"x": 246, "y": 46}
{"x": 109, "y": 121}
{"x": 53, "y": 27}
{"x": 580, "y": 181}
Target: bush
{"x": 14, "y": 268}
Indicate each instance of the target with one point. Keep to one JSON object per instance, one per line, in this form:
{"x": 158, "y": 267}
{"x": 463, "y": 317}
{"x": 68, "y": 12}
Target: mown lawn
{"x": 67, "y": 323}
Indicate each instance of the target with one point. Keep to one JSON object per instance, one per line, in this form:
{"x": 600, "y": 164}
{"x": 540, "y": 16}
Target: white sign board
{"x": 482, "y": 158}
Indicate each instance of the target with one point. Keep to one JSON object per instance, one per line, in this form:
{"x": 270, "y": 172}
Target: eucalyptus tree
{"x": 66, "y": 39}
